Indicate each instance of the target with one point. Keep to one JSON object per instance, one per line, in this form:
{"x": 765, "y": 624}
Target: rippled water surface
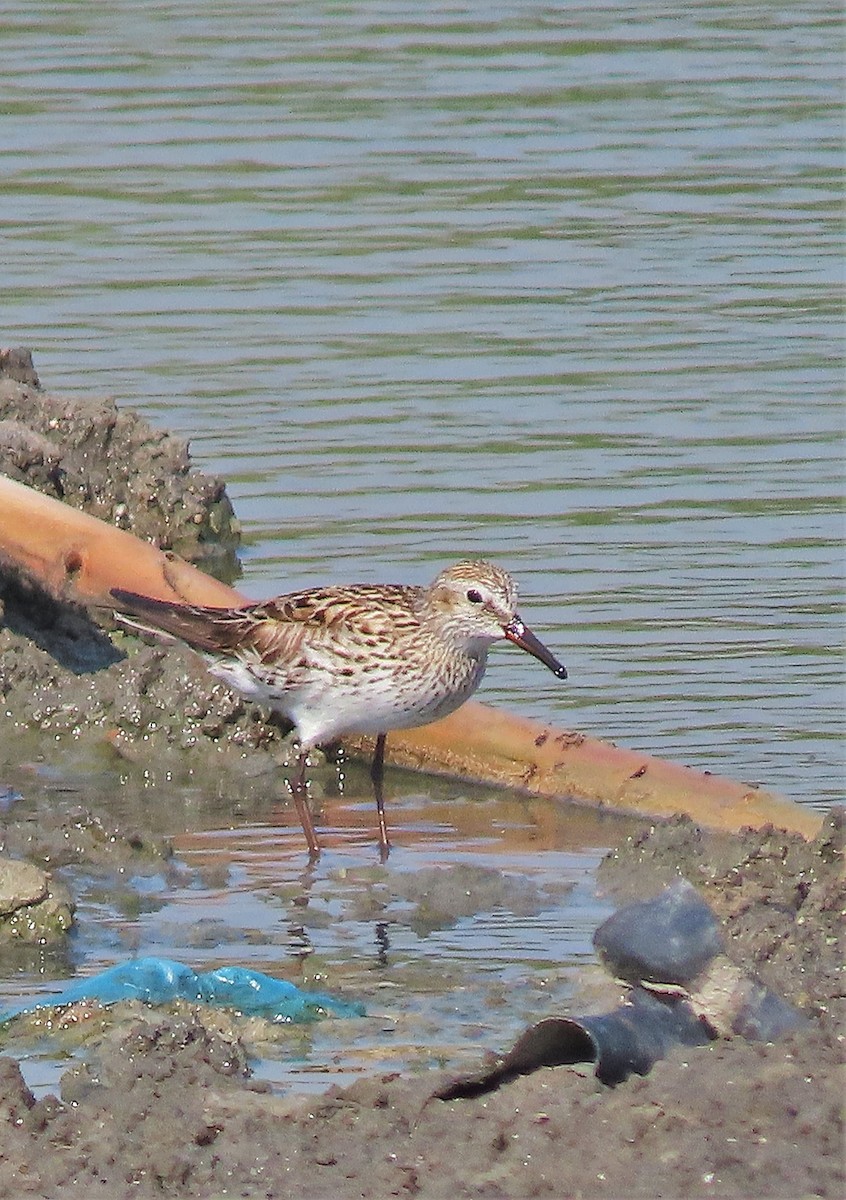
{"x": 556, "y": 284}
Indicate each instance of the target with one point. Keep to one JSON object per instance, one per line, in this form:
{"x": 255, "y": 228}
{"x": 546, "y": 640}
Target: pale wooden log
{"x": 78, "y": 557}
{"x": 492, "y": 746}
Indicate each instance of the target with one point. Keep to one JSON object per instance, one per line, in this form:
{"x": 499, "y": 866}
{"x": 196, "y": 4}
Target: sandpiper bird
{"x": 355, "y": 659}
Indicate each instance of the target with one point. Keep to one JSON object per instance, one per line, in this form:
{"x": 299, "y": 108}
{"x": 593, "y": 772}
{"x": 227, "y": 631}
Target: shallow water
{"x": 480, "y": 921}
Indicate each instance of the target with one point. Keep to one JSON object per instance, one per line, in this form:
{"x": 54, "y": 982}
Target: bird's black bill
{"x": 517, "y": 633}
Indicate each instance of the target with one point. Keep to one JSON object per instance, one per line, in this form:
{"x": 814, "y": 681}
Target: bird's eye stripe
{"x": 474, "y": 596}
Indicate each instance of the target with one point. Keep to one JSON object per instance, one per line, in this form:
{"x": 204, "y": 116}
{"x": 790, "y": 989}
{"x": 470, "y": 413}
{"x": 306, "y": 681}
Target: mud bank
{"x": 65, "y": 685}
{"x": 164, "y": 1103}
{"x": 114, "y": 465}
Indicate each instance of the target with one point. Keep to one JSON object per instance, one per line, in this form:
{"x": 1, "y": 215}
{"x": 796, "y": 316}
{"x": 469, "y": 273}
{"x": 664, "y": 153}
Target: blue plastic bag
{"x": 160, "y": 980}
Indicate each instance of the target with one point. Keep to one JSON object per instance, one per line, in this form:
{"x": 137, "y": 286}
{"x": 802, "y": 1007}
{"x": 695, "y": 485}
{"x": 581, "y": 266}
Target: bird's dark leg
{"x": 377, "y": 774}
{"x": 300, "y": 797}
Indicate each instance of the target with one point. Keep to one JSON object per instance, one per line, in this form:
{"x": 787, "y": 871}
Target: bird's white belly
{"x": 324, "y": 705}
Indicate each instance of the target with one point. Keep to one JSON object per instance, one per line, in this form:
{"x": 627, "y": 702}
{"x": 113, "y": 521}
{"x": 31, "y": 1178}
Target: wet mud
{"x": 163, "y": 1102}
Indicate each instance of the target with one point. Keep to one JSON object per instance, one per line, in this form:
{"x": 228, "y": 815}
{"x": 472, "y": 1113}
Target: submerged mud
{"x": 163, "y": 1102}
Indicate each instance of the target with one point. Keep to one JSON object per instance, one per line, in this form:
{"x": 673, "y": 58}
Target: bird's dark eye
{"x": 474, "y": 597}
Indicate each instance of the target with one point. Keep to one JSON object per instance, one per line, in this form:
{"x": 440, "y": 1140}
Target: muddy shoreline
{"x": 164, "y": 1103}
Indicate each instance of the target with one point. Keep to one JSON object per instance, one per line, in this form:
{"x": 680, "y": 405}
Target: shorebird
{"x": 354, "y": 659}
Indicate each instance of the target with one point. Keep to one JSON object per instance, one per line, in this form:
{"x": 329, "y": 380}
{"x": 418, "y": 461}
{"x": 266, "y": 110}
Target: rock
{"x": 33, "y": 907}
{"x": 20, "y": 883}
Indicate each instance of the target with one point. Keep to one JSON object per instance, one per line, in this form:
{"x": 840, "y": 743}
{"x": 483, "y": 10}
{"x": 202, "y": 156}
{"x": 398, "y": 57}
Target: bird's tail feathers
{"x": 202, "y": 628}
